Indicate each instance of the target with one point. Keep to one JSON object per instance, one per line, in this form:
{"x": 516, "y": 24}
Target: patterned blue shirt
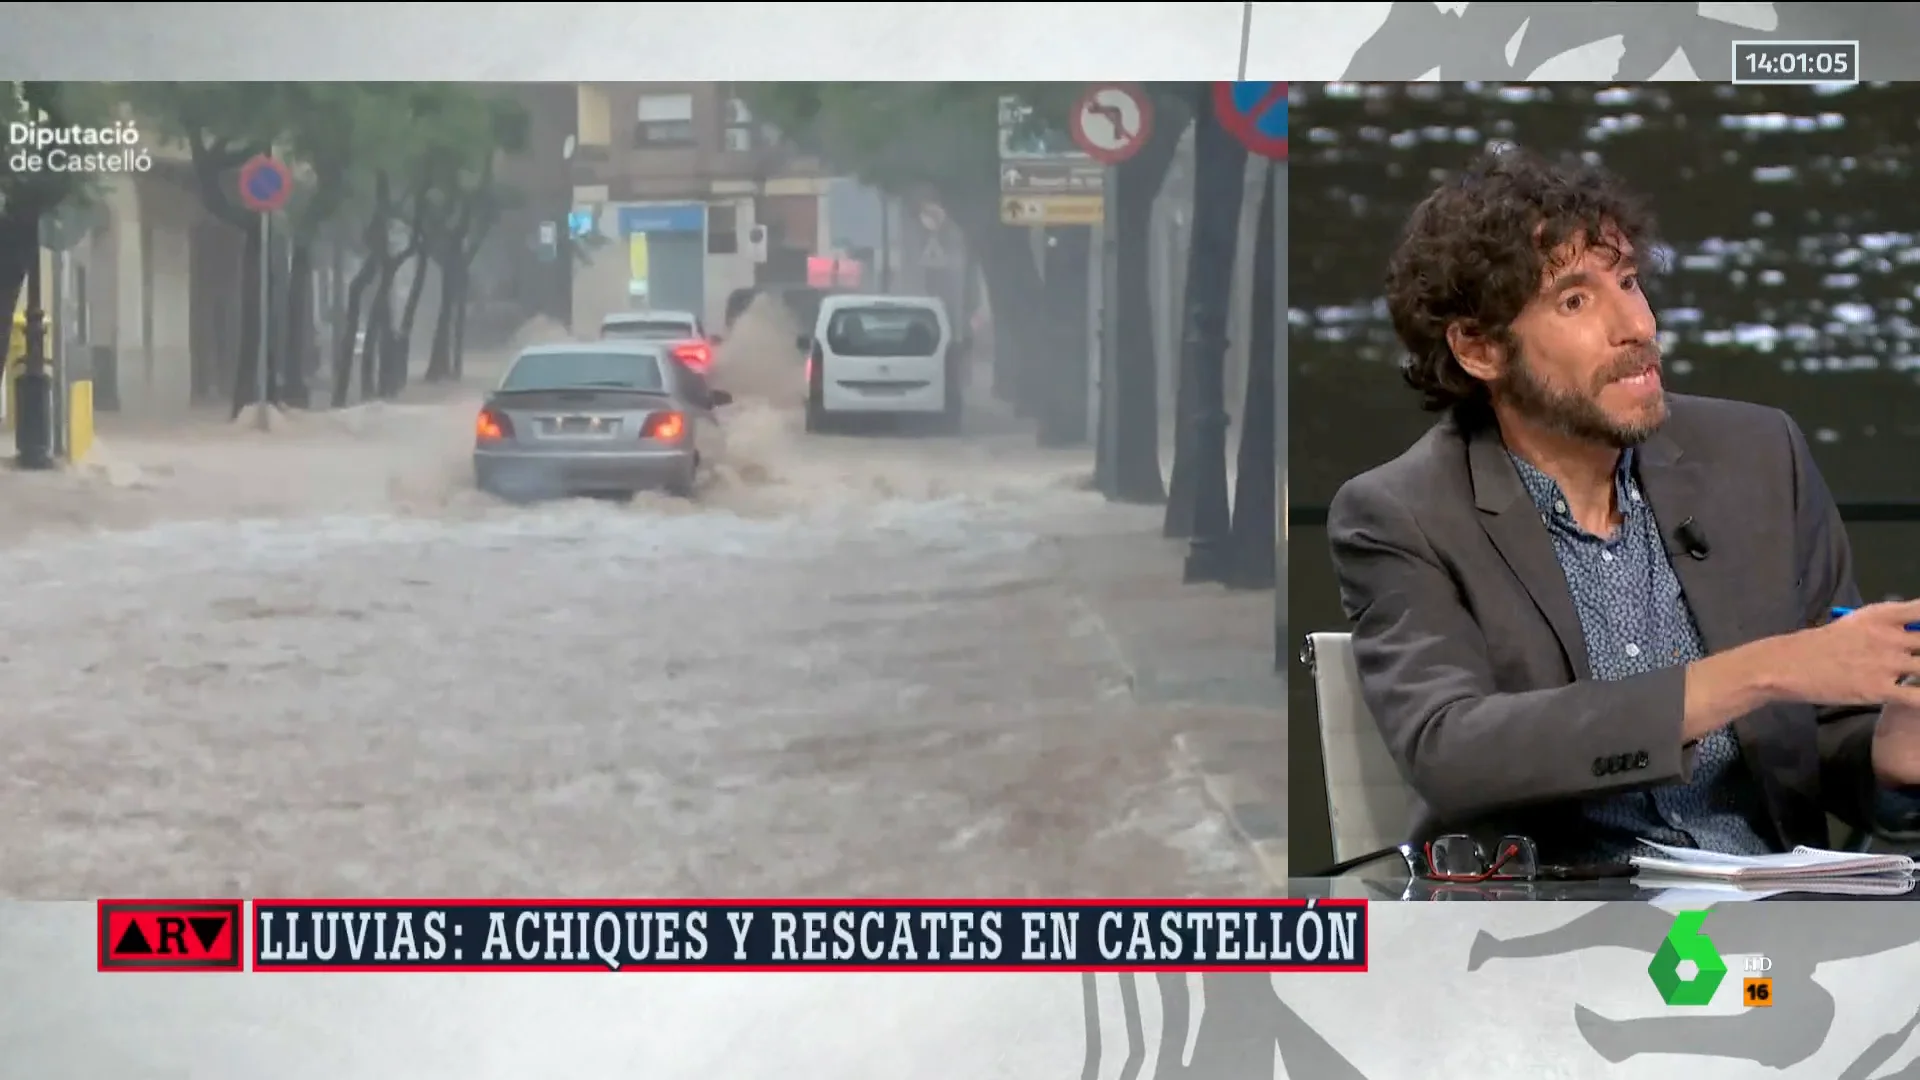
{"x": 1636, "y": 620}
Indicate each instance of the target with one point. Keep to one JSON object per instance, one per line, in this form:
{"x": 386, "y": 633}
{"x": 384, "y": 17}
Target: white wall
{"x": 140, "y": 274}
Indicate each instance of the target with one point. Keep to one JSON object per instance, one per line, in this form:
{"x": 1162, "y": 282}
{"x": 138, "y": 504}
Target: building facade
{"x": 685, "y": 197}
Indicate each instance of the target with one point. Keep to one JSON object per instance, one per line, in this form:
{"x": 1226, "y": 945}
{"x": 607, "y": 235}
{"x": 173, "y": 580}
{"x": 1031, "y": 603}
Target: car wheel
{"x": 953, "y": 408}
{"x": 682, "y": 486}
{"x": 816, "y": 402}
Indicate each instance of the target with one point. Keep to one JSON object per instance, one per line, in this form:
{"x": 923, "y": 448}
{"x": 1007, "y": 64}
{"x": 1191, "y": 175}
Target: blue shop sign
{"x": 663, "y": 218}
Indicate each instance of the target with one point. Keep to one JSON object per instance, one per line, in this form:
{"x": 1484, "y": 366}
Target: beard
{"x": 1579, "y": 415}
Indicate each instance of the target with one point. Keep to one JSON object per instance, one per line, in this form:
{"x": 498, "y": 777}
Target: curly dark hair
{"x": 1474, "y": 252}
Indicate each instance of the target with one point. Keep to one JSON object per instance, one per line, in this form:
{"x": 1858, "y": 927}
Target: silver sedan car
{"x": 593, "y": 418}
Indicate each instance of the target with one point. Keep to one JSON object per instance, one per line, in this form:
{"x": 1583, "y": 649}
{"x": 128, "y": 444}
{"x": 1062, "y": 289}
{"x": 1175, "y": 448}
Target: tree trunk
{"x": 397, "y": 356}
{"x": 1135, "y": 475}
{"x": 337, "y": 294}
{"x": 246, "y": 372}
{"x": 440, "y": 353}
{"x": 480, "y": 219}
{"x": 1011, "y": 276}
{"x": 1061, "y": 373}
{"x": 1219, "y": 188}
{"x": 298, "y": 343}
{"x": 1013, "y": 289}
{"x": 373, "y": 372}
{"x": 410, "y": 311}
{"x": 19, "y": 246}
{"x": 1256, "y": 483}
{"x": 349, "y": 326}
{"x": 443, "y": 361}
{"x": 464, "y": 280}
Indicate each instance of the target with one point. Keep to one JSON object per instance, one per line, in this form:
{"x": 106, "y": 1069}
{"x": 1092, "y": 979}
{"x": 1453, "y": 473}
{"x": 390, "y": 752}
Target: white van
{"x": 882, "y": 355}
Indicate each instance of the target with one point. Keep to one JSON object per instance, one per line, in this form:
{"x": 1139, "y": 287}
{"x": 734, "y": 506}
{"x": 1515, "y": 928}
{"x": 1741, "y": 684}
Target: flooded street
{"x": 315, "y": 661}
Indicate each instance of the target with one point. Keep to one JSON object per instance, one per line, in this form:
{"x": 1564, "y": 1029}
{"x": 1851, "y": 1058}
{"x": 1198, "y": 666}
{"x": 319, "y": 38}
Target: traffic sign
{"x": 1052, "y": 211}
{"x": 265, "y": 184}
{"x": 1256, "y": 114}
{"x": 1112, "y": 121}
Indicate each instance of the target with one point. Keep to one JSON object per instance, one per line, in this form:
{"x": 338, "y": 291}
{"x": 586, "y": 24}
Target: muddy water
{"x": 315, "y": 659}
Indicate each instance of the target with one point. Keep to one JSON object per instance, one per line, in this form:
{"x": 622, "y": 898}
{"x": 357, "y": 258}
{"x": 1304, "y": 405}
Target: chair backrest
{"x": 1368, "y": 800}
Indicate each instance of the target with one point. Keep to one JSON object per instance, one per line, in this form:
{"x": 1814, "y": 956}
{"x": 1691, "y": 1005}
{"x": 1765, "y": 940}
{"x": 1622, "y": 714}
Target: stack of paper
{"x": 1801, "y": 865}
{"x": 1673, "y": 891}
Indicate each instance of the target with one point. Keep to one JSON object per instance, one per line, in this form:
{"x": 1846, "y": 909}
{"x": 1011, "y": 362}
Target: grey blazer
{"x": 1472, "y": 658}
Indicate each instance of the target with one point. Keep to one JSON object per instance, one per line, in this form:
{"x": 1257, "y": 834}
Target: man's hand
{"x": 1856, "y": 660}
{"x": 1896, "y": 747}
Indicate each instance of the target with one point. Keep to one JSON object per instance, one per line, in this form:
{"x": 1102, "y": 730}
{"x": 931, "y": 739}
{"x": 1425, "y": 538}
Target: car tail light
{"x": 697, "y": 355}
{"x": 809, "y": 369}
{"x": 664, "y": 426}
{"x": 491, "y": 426}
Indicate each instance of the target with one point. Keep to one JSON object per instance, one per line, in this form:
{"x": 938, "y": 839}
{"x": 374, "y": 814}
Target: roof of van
{"x": 841, "y": 301}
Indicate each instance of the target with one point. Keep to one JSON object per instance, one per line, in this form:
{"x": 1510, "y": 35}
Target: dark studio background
{"x": 1793, "y": 279}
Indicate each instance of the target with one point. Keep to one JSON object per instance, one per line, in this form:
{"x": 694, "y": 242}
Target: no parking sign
{"x": 1256, "y": 114}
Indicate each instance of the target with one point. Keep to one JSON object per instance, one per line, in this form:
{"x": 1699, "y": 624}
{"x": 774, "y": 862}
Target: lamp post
{"x": 33, "y": 389}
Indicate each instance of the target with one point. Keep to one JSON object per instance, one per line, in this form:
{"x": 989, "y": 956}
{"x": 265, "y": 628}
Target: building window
{"x": 664, "y": 120}
{"x": 723, "y": 229}
{"x": 738, "y": 134}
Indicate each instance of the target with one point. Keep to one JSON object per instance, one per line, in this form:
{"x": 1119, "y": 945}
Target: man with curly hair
{"x": 1588, "y": 611}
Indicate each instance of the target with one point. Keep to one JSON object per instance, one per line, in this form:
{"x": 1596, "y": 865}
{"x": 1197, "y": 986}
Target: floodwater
{"x": 314, "y": 660}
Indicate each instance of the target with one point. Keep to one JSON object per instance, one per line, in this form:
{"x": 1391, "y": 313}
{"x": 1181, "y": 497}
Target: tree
{"x": 26, "y": 196}
{"x": 1198, "y": 505}
{"x": 1252, "y": 563}
{"x": 474, "y": 199}
{"x": 332, "y": 130}
{"x": 400, "y": 171}
{"x": 1133, "y": 473}
{"x": 222, "y": 125}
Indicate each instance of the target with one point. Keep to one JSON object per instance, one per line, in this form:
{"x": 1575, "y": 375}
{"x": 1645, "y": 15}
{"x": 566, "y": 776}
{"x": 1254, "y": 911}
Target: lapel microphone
{"x": 1693, "y": 539}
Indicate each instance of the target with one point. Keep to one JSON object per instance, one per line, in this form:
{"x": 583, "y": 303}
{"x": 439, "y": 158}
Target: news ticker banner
{"x": 176, "y": 936}
{"x": 1488, "y": 990}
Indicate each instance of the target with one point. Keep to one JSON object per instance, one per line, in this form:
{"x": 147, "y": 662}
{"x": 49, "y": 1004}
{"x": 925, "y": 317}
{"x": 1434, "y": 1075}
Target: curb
{"x": 1245, "y": 800}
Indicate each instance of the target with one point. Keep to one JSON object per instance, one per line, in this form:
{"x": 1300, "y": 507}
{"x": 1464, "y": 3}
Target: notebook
{"x": 1800, "y": 864}
{"x": 1671, "y": 890}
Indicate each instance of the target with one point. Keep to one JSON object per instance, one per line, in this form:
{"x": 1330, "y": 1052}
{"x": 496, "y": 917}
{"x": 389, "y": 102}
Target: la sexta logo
{"x": 171, "y": 935}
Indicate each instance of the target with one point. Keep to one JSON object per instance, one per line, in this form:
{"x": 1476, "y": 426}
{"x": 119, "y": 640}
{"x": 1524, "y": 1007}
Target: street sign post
{"x": 1045, "y": 180}
{"x": 1255, "y": 113}
{"x": 265, "y": 186}
{"x": 1112, "y": 121}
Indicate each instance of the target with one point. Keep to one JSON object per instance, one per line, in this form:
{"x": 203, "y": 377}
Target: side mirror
{"x": 803, "y": 342}
{"x": 715, "y": 339}
{"x": 719, "y": 397}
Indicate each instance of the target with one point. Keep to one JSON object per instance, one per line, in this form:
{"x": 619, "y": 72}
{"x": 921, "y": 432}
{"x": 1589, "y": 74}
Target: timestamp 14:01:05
{"x": 1796, "y": 62}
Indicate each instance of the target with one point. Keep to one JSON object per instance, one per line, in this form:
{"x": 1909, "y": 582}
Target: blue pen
{"x": 1843, "y": 612}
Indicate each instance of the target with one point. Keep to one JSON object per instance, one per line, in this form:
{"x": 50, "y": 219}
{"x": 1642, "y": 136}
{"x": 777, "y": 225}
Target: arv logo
{"x": 1686, "y": 943}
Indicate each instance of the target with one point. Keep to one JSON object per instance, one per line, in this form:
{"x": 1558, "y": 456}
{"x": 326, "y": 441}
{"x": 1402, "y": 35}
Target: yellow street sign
{"x": 1045, "y": 211}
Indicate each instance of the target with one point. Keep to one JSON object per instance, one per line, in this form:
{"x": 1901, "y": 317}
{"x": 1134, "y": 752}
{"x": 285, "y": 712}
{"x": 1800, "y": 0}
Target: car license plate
{"x": 578, "y": 425}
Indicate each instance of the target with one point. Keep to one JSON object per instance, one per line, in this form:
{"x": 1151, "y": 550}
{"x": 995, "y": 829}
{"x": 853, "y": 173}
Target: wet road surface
{"x": 315, "y": 662}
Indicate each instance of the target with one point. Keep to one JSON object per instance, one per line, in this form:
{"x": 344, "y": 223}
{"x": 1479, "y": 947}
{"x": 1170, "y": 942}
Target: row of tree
{"x": 939, "y": 141}
{"x": 402, "y": 174}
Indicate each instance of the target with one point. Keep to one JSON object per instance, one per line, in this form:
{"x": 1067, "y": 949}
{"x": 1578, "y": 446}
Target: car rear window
{"x": 883, "y": 331}
{"x": 647, "y": 328}
{"x": 561, "y": 371}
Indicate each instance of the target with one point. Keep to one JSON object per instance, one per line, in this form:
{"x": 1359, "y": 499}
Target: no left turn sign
{"x": 1112, "y": 121}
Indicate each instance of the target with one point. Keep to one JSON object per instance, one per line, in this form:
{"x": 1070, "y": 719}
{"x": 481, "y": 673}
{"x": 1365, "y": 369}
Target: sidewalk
{"x": 1206, "y": 654}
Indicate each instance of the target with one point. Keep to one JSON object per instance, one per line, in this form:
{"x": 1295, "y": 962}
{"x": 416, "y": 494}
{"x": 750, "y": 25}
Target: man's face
{"x": 1582, "y": 358}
